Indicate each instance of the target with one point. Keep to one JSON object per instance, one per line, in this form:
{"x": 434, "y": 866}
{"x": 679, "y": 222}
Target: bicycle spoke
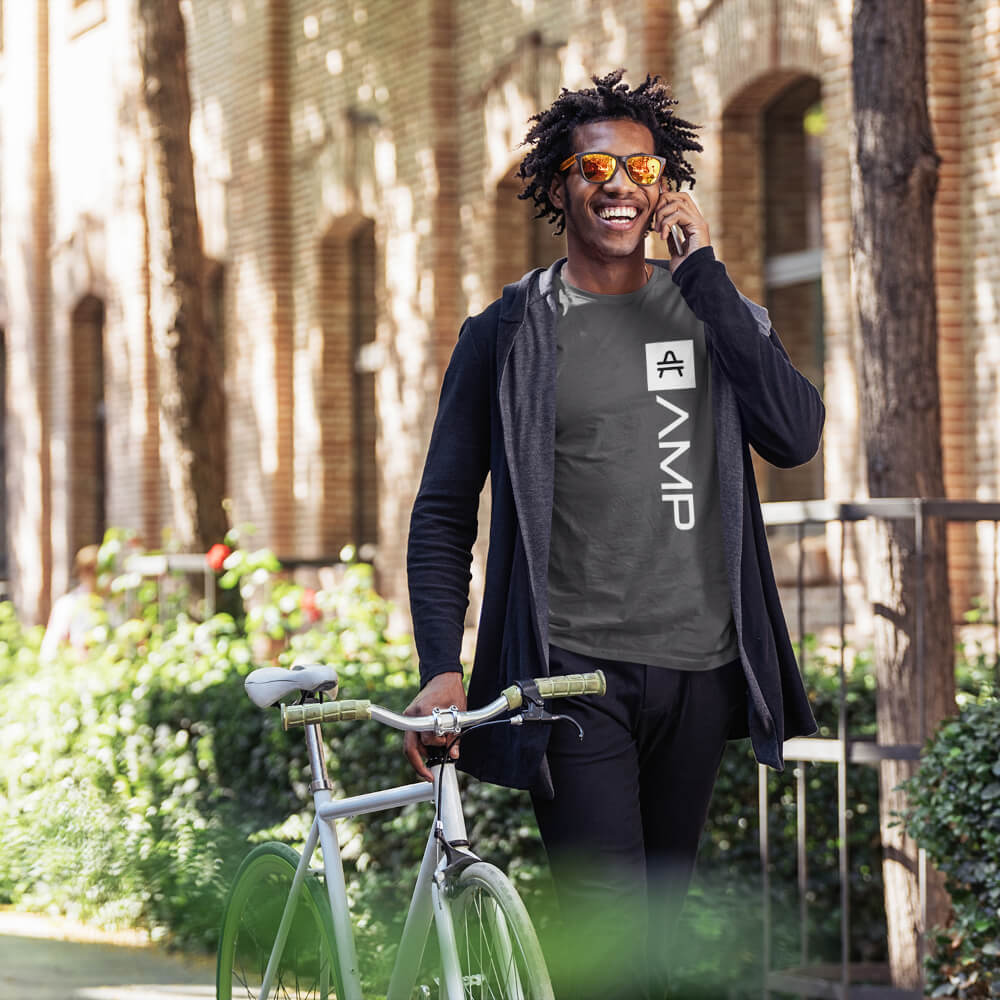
{"x": 493, "y": 957}
{"x": 254, "y": 914}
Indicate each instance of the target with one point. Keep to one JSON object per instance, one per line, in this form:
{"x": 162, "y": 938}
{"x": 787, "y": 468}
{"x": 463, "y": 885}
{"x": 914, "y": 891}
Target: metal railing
{"x": 817, "y": 981}
{"x": 161, "y": 567}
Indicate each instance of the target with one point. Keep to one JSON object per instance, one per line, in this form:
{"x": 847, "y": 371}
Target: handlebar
{"x": 571, "y": 685}
{"x": 445, "y": 720}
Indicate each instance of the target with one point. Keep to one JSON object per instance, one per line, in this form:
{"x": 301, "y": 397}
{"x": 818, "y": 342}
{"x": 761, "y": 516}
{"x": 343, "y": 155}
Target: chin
{"x": 620, "y": 250}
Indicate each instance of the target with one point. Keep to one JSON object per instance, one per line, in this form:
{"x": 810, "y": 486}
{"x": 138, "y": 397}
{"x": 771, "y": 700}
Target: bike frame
{"x": 428, "y": 902}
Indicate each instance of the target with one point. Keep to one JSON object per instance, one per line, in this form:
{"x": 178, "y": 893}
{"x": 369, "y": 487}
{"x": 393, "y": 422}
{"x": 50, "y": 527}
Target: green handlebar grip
{"x": 327, "y": 711}
{"x": 514, "y": 697}
{"x": 571, "y": 684}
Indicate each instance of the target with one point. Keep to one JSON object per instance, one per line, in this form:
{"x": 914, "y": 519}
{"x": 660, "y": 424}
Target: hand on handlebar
{"x": 441, "y": 691}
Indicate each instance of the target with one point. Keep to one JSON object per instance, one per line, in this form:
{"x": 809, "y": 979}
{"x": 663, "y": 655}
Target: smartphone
{"x": 677, "y": 237}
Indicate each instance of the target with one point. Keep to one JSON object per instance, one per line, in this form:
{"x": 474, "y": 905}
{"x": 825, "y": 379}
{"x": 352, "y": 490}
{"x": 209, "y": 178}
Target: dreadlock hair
{"x": 551, "y": 135}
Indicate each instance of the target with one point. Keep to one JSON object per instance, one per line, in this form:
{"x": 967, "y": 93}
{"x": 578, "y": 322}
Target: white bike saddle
{"x": 268, "y": 685}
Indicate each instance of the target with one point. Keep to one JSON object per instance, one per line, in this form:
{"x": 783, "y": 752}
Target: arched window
{"x": 214, "y": 309}
{"x": 364, "y": 417}
{"x": 87, "y": 454}
{"x": 793, "y": 249}
{"x": 346, "y": 388}
{"x": 771, "y": 233}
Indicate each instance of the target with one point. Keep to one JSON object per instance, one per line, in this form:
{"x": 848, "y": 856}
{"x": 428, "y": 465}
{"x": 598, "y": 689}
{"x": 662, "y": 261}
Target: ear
{"x": 556, "y": 195}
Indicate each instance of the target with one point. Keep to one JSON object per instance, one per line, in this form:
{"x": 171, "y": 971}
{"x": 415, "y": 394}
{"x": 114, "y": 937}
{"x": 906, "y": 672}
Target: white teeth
{"x": 618, "y": 212}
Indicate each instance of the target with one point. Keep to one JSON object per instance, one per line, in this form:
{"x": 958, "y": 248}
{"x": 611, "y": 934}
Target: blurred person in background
{"x": 77, "y": 613}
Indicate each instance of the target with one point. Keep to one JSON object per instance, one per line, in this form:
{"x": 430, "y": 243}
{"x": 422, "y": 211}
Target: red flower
{"x": 217, "y": 555}
{"x": 308, "y": 604}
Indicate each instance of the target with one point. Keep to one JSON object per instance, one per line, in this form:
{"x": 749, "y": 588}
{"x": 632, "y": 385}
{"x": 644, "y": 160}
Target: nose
{"x": 620, "y": 181}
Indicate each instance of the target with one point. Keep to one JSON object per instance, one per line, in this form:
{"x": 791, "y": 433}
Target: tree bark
{"x": 894, "y": 180}
{"x": 192, "y": 403}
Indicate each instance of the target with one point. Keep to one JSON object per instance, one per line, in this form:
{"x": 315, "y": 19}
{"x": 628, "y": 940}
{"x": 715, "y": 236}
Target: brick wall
{"x": 24, "y": 215}
{"x": 980, "y": 246}
{"x": 945, "y": 45}
{"x": 355, "y": 189}
{"x": 81, "y": 202}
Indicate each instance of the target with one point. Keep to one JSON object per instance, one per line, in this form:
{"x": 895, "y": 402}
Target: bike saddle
{"x": 268, "y": 685}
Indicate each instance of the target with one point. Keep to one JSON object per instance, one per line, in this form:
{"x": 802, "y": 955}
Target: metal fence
{"x": 844, "y": 981}
{"x": 165, "y": 567}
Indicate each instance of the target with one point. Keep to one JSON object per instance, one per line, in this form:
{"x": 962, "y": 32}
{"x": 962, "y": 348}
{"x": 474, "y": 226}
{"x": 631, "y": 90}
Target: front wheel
{"x": 306, "y": 969}
{"x": 498, "y": 951}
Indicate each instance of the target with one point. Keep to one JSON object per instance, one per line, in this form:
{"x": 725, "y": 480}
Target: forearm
{"x": 438, "y": 561}
{"x": 782, "y": 411}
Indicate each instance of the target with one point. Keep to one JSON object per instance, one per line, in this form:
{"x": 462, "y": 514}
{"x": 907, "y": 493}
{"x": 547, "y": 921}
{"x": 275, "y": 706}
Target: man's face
{"x": 606, "y": 220}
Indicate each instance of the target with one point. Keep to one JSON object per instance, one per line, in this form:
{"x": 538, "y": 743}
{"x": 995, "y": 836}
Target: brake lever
{"x": 533, "y": 709}
{"x": 568, "y": 718}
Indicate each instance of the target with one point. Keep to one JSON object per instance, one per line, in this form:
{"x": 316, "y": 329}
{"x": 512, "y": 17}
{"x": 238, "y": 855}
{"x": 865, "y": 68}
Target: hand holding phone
{"x": 675, "y": 238}
{"x": 689, "y": 229}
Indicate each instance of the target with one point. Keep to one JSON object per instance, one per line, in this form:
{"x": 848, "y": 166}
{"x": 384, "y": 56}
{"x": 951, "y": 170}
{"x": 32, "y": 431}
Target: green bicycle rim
{"x": 307, "y": 970}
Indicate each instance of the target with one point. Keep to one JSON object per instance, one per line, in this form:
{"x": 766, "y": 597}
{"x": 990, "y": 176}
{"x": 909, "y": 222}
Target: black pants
{"x": 630, "y": 803}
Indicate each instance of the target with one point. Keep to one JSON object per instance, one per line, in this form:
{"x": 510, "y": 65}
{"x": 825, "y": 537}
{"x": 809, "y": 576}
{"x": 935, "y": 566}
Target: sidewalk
{"x": 52, "y": 959}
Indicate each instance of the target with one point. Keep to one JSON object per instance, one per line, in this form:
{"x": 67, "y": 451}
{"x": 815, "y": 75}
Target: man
{"x": 613, "y": 401}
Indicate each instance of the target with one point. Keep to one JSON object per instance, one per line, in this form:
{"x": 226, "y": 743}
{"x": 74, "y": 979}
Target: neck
{"x": 610, "y": 276}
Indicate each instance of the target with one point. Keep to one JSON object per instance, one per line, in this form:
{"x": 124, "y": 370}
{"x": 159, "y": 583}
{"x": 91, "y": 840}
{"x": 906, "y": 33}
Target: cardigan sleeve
{"x": 444, "y": 521}
{"x": 781, "y": 410}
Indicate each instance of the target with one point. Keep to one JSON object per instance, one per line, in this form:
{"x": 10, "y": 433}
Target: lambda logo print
{"x": 670, "y": 365}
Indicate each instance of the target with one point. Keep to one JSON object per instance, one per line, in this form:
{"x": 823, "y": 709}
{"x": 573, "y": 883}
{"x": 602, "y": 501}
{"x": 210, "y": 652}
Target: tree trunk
{"x": 893, "y": 186}
{"x": 192, "y": 405}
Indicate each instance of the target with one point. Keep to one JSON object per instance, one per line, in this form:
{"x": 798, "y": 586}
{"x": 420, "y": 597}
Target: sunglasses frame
{"x": 620, "y": 161}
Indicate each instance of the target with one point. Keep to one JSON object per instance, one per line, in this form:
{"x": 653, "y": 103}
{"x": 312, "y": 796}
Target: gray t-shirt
{"x": 636, "y": 568}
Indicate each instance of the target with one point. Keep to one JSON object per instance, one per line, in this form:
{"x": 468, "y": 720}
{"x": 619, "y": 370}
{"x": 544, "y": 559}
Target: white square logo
{"x": 670, "y": 365}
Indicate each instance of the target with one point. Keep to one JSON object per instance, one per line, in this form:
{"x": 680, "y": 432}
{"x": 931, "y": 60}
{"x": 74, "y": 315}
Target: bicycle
{"x": 286, "y": 934}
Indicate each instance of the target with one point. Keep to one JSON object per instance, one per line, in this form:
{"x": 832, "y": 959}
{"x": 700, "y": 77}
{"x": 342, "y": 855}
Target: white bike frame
{"x": 429, "y": 901}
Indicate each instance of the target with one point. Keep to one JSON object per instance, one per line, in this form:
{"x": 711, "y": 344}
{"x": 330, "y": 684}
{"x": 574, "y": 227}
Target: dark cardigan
{"x": 496, "y": 416}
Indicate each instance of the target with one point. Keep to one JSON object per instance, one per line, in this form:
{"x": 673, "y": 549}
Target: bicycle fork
{"x": 449, "y": 833}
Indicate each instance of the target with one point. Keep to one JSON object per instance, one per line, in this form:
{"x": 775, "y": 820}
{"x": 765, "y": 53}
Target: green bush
{"x": 955, "y": 816}
{"x": 133, "y": 782}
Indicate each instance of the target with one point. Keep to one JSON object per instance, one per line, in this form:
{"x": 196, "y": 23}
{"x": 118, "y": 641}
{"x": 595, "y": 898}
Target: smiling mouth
{"x": 618, "y": 216}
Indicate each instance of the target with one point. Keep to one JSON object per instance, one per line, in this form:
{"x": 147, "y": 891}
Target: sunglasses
{"x": 599, "y": 168}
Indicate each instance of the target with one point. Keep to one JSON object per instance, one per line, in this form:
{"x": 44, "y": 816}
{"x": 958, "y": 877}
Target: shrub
{"x": 134, "y": 782}
{"x": 954, "y": 815}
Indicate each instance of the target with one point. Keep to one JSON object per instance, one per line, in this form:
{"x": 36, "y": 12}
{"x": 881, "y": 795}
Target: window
{"x": 88, "y": 482}
{"x": 346, "y": 388}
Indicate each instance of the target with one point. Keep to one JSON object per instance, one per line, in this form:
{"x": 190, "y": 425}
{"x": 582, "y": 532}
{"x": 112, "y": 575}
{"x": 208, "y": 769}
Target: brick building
{"x": 355, "y": 178}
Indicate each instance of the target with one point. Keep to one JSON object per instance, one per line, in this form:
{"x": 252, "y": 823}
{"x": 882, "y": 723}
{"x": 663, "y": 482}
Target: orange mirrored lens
{"x": 597, "y": 167}
{"x": 643, "y": 169}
